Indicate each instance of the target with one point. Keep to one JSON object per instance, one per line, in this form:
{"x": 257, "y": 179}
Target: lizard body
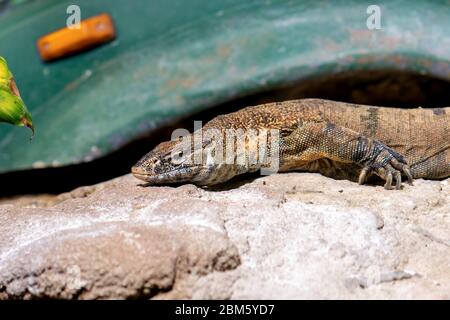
{"x": 337, "y": 139}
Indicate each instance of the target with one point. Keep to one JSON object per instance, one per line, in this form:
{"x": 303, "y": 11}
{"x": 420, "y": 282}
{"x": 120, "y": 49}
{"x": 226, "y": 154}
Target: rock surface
{"x": 292, "y": 236}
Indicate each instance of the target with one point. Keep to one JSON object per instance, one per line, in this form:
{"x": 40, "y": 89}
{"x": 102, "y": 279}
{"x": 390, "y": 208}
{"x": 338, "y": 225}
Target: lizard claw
{"x": 387, "y": 164}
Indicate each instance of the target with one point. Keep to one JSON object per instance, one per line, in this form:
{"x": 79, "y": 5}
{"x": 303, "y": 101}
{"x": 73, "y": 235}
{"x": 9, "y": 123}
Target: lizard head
{"x": 170, "y": 163}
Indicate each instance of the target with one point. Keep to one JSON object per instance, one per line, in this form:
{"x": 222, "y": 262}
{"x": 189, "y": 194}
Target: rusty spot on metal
{"x": 330, "y": 45}
{"x": 360, "y": 35}
{"x": 224, "y": 51}
{"x": 180, "y": 83}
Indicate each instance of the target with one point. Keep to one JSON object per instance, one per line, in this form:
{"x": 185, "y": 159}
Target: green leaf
{"x": 12, "y": 108}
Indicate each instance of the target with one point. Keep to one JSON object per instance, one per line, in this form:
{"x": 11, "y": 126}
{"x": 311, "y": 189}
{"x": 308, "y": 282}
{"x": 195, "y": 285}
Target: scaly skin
{"x": 340, "y": 140}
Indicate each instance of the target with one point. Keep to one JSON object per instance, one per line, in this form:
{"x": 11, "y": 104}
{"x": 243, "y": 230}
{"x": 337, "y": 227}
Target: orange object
{"x": 64, "y": 42}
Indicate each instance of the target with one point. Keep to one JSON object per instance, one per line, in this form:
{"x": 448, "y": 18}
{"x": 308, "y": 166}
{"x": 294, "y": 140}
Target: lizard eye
{"x": 177, "y": 156}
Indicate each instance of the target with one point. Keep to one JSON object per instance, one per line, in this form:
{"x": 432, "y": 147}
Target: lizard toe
{"x": 388, "y": 165}
{"x": 403, "y": 168}
{"x": 389, "y": 174}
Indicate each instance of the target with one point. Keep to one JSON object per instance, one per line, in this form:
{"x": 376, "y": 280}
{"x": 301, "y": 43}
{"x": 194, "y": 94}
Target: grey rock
{"x": 292, "y": 236}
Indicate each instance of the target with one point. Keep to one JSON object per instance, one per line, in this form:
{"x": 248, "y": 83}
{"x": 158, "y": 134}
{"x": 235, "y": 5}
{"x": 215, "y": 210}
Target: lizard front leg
{"x": 315, "y": 140}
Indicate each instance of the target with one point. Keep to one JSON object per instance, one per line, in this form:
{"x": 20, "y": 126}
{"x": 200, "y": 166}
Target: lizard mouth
{"x": 174, "y": 176}
{"x": 141, "y": 174}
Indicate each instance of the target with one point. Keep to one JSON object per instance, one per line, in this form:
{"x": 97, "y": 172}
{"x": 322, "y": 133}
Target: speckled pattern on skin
{"x": 337, "y": 139}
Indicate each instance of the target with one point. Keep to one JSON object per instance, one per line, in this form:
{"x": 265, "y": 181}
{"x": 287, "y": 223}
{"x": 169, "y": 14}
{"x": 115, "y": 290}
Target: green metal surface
{"x": 173, "y": 58}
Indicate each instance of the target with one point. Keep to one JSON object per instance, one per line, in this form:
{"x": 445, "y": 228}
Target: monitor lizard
{"x": 339, "y": 140}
